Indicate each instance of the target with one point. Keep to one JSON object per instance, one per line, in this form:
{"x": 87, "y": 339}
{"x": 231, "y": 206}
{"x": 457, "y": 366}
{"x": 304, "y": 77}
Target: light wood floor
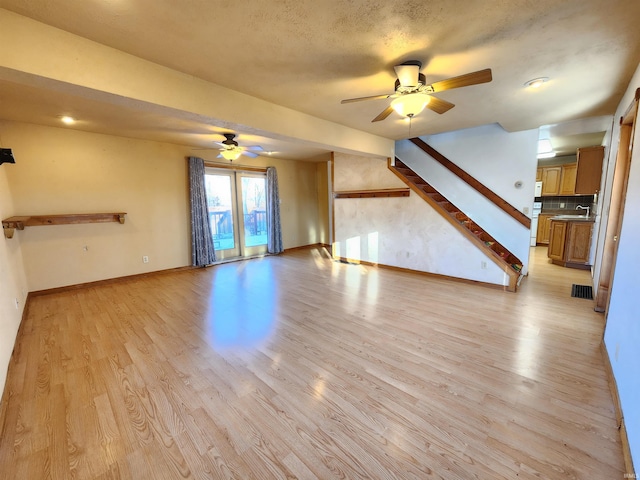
{"x": 299, "y": 367}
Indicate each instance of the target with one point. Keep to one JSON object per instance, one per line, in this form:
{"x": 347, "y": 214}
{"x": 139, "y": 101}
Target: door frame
{"x": 616, "y": 206}
{"x": 236, "y": 175}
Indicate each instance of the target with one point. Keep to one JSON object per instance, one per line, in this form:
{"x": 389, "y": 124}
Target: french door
{"x": 237, "y": 209}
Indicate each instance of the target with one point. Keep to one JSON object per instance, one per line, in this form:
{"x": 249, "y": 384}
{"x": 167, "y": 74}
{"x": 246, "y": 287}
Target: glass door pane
{"x": 254, "y": 213}
{"x": 221, "y": 195}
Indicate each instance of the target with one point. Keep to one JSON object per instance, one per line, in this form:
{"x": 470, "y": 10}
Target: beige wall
{"x": 60, "y": 170}
{"x": 13, "y": 284}
{"x": 402, "y": 232}
{"x": 323, "y": 202}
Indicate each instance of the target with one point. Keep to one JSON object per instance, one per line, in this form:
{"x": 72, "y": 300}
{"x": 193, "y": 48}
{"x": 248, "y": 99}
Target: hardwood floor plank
{"x": 296, "y": 366}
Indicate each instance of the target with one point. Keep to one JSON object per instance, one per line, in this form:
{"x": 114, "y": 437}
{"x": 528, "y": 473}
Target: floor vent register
{"x": 582, "y": 291}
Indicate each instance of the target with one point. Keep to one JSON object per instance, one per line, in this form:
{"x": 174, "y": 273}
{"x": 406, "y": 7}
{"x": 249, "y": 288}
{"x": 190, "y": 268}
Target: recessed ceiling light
{"x": 536, "y": 82}
{"x": 67, "y": 120}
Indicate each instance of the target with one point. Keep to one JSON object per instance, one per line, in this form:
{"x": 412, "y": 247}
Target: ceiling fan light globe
{"x": 231, "y": 153}
{"x": 411, "y": 104}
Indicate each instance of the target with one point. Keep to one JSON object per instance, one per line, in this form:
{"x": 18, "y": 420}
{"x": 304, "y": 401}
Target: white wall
{"x": 622, "y": 334}
{"x": 402, "y": 232}
{"x": 498, "y": 160}
{"x": 13, "y": 284}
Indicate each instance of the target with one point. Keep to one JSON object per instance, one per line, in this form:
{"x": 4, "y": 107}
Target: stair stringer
{"x": 476, "y": 235}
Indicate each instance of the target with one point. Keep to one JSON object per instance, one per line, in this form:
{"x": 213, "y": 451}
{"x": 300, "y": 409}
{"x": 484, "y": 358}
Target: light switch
{"x": 525, "y": 210}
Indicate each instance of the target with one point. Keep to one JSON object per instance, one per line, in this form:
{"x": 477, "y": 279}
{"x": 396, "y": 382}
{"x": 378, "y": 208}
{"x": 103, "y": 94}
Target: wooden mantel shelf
{"x": 382, "y": 192}
{"x": 10, "y": 224}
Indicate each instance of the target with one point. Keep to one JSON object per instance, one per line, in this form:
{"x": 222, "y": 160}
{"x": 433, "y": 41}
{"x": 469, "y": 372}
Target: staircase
{"x": 511, "y": 265}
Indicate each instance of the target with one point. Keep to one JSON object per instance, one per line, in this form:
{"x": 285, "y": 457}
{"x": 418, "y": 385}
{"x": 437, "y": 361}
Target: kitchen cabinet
{"x": 589, "y": 170}
{"x": 570, "y": 243}
{"x": 557, "y": 235}
{"x": 581, "y": 178}
{"x": 551, "y": 180}
{"x": 544, "y": 226}
{"x": 568, "y": 179}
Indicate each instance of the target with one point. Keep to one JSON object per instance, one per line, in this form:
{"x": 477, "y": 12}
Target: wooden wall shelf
{"x": 9, "y": 225}
{"x": 380, "y": 193}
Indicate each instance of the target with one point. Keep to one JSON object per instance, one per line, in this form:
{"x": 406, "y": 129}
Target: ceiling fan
{"x": 412, "y": 93}
{"x": 231, "y": 150}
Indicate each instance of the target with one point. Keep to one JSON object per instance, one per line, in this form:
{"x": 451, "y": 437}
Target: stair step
{"x": 416, "y": 180}
{"x": 437, "y": 197}
{"x": 461, "y": 217}
{"x": 449, "y": 207}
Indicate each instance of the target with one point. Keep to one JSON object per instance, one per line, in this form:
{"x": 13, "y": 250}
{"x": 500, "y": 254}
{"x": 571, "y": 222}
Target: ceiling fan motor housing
{"x": 421, "y": 87}
{"x": 230, "y": 140}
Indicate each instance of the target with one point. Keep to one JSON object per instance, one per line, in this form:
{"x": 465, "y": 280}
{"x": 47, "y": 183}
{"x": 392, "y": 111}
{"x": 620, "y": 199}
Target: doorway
{"x": 616, "y": 207}
{"x": 236, "y": 201}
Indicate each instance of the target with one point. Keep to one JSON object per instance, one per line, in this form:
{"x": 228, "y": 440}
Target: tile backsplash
{"x": 570, "y": 203}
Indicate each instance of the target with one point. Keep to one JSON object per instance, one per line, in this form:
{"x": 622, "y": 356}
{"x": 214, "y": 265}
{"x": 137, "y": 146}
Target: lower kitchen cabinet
{"x": 570, "y": 243}
{"x": 557, "y": 236}
{"x": 544, "y": 225}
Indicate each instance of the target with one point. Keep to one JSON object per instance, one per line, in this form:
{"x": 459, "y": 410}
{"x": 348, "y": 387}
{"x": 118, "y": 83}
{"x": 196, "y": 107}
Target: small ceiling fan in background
{"x": 412, "y": 93}
{"x": 231, "y": 150}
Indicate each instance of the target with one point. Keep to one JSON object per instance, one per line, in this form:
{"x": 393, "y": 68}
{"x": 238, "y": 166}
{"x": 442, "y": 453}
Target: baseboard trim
{"x": 438, "y": 276}
{"x": 613, "y": 386}
{"x": 306, "y": 247}
{"x": 108, "y": 281}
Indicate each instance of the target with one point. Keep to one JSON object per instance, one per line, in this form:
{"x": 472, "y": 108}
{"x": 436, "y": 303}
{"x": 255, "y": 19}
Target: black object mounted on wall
{"x": 6, "y": 156}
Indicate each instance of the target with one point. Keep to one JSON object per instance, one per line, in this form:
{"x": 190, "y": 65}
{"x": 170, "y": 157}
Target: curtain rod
{"x": 234, "y": 166}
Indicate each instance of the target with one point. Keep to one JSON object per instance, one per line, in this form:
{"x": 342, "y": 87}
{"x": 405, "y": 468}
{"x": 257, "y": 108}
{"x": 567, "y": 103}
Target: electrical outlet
{"x": 562, "y": 205}
{"x": 145, "y": 259}
{"x": 483, "y": 265}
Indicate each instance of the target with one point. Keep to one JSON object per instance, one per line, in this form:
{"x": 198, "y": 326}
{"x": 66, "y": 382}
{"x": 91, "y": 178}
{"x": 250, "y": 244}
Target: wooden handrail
{"x": 496, "y": 199}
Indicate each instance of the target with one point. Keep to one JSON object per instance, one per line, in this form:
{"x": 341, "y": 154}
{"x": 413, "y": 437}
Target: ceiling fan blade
{"x": 474, "y": 78}
{"x": 438, "y": 105}
{"x": 384, "y": 114}
{"x": 249, "y": 154}
{"x": 360, "y": 99}
{"x": 256, "y": 148}
{"x": 407, "y": 75}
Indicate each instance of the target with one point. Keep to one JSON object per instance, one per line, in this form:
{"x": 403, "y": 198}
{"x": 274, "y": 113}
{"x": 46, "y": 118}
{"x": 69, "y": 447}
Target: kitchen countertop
{"x": 573, "y": 218}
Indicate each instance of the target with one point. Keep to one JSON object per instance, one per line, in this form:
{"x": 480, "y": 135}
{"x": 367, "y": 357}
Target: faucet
{"x": 587, "y": 208}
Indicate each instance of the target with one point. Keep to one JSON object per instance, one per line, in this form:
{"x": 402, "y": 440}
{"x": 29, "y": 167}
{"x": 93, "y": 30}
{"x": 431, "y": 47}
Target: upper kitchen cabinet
{"x": 589, "y": 171}
{"x": 551, "y": 180}
{"x": 568, "y": 179}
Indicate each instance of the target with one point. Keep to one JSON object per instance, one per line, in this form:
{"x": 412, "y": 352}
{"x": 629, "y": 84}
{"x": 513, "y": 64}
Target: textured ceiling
{"x": 308, "y": 55}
